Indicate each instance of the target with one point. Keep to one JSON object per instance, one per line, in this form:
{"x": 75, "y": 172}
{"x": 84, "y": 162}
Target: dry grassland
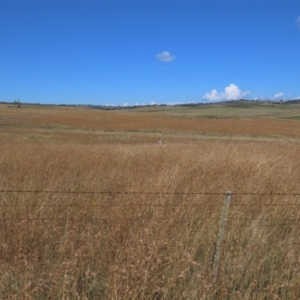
{"x": 139, "y": 245}
{"x": 61, "y": 119}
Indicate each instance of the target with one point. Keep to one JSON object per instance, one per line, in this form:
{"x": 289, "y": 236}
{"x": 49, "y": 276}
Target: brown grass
{"x": 62, "y": 119}
{"x": 148, "y": 252}
{"x": 143, "y": 246}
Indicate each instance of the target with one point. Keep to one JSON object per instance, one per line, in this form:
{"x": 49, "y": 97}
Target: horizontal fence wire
{"x": 151, "y": 205}
{"x": 233, "y": 203}
{"x": 142, "y": 220}
{"x": 113, "y": 205}
{"x": 114, "y": 192}
{"x": 150, "y": 193}
{"x": 105, "y": 219}
{"x": 146, "y": 219}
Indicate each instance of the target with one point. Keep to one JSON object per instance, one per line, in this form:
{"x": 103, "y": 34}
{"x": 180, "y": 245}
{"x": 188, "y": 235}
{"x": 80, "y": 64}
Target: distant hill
{"x": 241, "y": 102}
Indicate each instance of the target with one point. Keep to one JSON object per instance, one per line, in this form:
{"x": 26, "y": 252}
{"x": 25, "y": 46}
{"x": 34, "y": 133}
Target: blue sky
{"x": 148, "y": 51}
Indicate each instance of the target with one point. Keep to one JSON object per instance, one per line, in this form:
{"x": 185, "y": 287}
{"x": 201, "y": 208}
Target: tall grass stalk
{"x": 143, "y": 246}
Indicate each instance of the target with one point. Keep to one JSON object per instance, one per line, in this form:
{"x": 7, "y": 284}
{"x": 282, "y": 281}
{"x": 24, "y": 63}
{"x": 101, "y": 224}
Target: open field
{"x": 236, "y": 109}
{"x": 78, "y": 124}
{"x": 156, "y": 241}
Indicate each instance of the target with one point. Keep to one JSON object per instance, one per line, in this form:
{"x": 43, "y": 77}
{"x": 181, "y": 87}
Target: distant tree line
{"x": 18, "y": 103}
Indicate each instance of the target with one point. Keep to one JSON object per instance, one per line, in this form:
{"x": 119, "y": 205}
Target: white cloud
{"x": 165, "y": 56}
{"x": 153, "y": 103}
{"x": 260, "y": 98}
{"x": 298, "y": 22}
{"x": 125, "y": 104}
{"x": 278, "y": 95}
{"x": 231, "y": 92}
{"x": 175, "y": 103}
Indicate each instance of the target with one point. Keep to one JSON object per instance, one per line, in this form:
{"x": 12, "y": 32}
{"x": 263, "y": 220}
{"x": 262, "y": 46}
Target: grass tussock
{"x": 149, "y": 246}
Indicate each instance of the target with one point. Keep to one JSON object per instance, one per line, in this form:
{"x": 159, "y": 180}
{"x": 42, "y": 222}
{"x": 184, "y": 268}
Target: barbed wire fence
{"x": 228, "y": 195}
{"x": 111, "y": 193}
{"x": 136, "y": 193}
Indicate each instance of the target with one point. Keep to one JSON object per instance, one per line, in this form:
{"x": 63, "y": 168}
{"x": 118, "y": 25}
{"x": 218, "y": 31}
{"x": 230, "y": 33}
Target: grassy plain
{"x": 147, "y": 244}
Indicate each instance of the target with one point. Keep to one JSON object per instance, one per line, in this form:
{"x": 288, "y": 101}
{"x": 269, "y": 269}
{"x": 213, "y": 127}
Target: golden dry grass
{"x": 71, "y": 119}
{"x": 146, "y": 246}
